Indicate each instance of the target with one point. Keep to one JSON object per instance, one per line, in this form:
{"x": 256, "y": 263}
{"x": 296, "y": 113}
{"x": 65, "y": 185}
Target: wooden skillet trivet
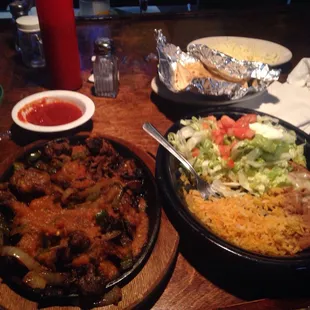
{"x": 145, "y": 281}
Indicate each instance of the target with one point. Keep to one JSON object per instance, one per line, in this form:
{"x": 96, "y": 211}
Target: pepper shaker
{"x": 105, "y": 69}
{"x": 17, "y": 9}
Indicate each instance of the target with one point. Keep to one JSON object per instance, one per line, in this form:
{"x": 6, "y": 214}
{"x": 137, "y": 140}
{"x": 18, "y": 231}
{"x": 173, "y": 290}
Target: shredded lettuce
{"x": 297, "y": 153}
{"x": 259, "y": 163}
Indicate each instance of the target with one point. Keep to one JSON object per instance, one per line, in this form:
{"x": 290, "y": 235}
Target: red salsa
{"x": 49, "y": 113}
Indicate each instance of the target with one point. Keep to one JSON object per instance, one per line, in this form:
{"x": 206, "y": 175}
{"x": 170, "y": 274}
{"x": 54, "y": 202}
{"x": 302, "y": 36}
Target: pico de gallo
{"x": 250, "y": 154}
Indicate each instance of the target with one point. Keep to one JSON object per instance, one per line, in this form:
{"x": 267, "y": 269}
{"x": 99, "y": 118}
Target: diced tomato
{"x": 230, "y": 132}
{"x": 227, "y": 122}
{"x": 250, "y": 118}
{"x": 195, "y": 152}
{"x": 239, "y": 129}
{"x": 211, "y": 118}
{"x": 219, "y": 140}
{"x": 249, "y": 134}
{"x": 230, "y": 163}
{"x": 239, "y": 132}
{"x": 224, "y": 150}
{"x": 205, "y": 125}
{"x": 218, "y": 136}
{"x": 243, "y": 133}
{"x": 240, "y": 123}
{"x": 218, "y": 132}
{"x": 245, "y": 120}
{"x": 220, "y": 125}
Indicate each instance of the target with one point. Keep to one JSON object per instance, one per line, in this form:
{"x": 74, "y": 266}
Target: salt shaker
{"x": 30, "y": 43}
{"x": 105, "y": 69}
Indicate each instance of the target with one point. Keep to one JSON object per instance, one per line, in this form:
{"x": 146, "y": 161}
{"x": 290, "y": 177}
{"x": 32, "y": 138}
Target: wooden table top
{"x": 199, "y": 280}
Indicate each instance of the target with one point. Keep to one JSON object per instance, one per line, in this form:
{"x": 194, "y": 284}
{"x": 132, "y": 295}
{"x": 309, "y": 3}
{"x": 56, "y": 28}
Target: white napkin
{"x": 289, "y": 101}
{"x": 300, "y": 76}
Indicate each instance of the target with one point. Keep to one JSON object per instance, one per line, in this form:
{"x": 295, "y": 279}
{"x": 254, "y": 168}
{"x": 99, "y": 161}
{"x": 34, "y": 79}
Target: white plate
{"x": 85, "y": 104}
{"x": 189, "y": 98}
{"x": 269, "y": 52}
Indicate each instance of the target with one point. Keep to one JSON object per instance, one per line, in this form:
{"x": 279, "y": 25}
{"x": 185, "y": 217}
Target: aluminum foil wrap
{"x": 226, "y": 76}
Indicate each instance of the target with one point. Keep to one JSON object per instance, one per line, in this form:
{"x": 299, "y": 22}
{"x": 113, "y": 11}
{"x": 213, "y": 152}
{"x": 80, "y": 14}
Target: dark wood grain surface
{"x": 203, "y": 278}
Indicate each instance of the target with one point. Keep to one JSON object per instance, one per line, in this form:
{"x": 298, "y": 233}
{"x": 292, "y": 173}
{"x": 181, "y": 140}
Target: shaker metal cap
{"x": 18, "y": 8}
{"x": 103, "y": 46}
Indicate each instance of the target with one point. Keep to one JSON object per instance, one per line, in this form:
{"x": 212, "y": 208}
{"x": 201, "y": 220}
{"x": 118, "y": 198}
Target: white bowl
{"x": 85, "y": 104}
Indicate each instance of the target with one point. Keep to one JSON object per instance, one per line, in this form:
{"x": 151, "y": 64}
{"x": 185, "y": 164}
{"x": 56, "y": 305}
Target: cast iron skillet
{"x": 167, "y": 179}
{"x": 153, "y": 211}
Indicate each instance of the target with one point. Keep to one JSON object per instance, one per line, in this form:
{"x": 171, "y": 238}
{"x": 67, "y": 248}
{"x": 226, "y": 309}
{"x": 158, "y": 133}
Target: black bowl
{"x": 153, "y": 211}
{"x": 167, "y": 179}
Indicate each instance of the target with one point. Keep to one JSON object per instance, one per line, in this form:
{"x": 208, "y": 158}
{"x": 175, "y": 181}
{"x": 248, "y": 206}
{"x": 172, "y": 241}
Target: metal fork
{"x": 205, "y": 189}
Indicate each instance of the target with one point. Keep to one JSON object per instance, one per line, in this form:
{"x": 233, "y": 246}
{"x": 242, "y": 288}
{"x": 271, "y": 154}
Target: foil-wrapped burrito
{"x": 209, "y": 72}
